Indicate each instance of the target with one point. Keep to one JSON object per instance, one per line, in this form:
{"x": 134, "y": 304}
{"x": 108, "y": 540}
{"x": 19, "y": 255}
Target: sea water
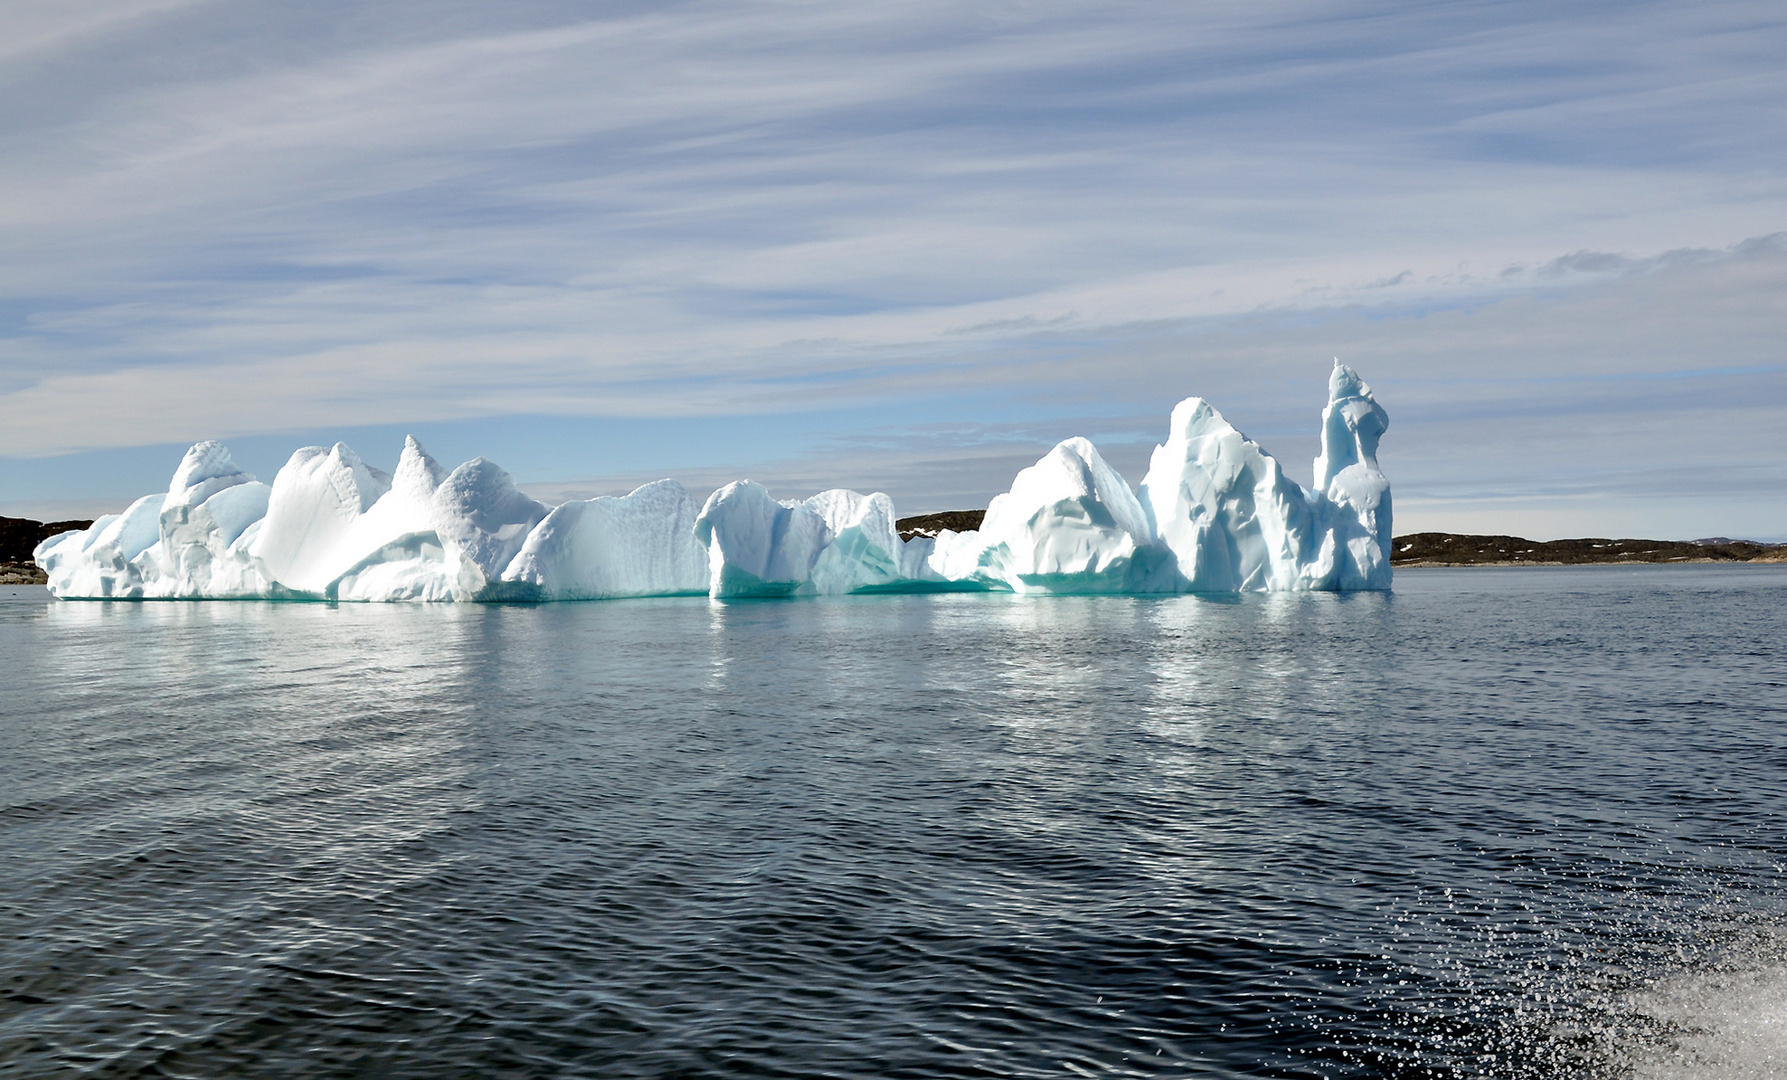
{"x": 1514, "y": 823}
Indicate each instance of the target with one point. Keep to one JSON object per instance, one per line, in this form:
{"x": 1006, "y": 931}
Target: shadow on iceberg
{"x": 1215, "y": 514}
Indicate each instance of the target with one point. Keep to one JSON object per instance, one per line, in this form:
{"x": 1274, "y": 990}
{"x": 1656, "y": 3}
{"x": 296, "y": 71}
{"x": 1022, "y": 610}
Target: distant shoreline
{"x": 1457, "y": 549}
{"x": 1538, "y": 565}
{"x": 1415, "y": 551}
{"x": 1435, "y": 549}
{"x": 18, "y": 536}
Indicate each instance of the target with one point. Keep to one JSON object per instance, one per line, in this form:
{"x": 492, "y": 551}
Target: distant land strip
{"x": 1452, "y": 549}
{"x": 18, "y": 536}
{"x": 1458, "y": 549}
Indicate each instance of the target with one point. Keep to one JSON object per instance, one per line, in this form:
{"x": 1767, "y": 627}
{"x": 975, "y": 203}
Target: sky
{"x": 903, "y": 247}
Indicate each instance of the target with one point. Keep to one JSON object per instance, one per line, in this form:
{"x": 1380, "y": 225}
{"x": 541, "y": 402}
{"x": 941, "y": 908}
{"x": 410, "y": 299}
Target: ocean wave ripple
{"x": 923, "y": 836}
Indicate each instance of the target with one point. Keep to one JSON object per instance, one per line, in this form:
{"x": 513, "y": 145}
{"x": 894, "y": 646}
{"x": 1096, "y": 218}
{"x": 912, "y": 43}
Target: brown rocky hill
{"x": 932, "y": 524}
{"x": 1452, "y": 549}
{"x": 1460, "y": 549}
{"x": 18, "y": 536}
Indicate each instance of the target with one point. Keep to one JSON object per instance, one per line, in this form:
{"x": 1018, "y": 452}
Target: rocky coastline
{"x": 1451, "y": 549}
{"x": 1463, "y": 549}
{"x": 18, "y": 536}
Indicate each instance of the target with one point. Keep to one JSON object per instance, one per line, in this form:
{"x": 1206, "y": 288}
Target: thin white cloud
{"x": 39, "y": 31}
{"x": 235, "y": 218}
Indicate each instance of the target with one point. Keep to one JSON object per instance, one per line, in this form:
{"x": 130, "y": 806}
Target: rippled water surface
{"x": 1515, "y": 823}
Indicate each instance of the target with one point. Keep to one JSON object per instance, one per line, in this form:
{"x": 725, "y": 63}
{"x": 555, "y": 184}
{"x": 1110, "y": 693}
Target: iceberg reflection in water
{"x": 1215, "y": 514}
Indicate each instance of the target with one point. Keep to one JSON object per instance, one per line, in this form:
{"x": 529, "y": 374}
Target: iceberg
{"x": 1070, "y": 523}
{"x": 1215, "y": 513}
{"x": 642, "y": 544}
{"x": 317, "y": 519}
{"x": 835, "y": 542}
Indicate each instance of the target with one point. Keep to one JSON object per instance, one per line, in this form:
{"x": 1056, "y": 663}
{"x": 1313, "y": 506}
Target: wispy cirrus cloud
{"x": 238, "y": 218}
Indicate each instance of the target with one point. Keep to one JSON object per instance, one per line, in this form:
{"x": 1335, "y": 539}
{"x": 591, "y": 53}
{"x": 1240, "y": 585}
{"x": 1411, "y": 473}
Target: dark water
{"x": 1508, "y": 823}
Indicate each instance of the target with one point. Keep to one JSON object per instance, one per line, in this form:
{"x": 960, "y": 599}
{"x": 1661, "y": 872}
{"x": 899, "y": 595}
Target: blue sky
{"x": 904, "y": 247}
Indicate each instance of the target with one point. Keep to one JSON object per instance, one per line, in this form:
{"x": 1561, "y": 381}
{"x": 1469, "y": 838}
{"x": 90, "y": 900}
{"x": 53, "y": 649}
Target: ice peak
{"x": 1069, "y": 523}
{"x": 208, "y": 460}
{"x": 1193, "y": 418}
{"x": 485, "y": 492}
{"x": 206, "y": 470}
{"x": 418, "y": 474}
{"x": 1344, "y": 382}
{"x": 1352, "y": 423}
{"x": 482, "y": 514}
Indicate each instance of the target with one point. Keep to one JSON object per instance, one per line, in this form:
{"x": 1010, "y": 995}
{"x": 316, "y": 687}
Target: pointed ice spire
{"x": 417, "y": 475}
{"x": 316, "y": 499}
{"x": 205, "y": 461}
{"x": 206, "y": 470}
{"x": 1351, "y": 426}
{"x": 1347, "y": 477}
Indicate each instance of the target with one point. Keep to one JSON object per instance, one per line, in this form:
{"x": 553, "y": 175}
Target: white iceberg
{"x": 204, "y": 529}
{"x": 757, "y": 546}
{"x": 315, "y": 529}
{"x": 190, "y": 542}
{"x": 835, "y": 542}
{"x": 598, "y": 549}
{"x": 1346, "y": 473}
{"x": 1215, "y": 513}
{"x": 99, "y": 562}
{"x": 1070, "y": 523}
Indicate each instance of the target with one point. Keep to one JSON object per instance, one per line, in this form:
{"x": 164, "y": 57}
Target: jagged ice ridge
{"x": 1214, "y": 514}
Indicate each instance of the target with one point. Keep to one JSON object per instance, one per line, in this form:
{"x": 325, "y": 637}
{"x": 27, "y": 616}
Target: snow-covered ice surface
{"x": 1214, "y": 514}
